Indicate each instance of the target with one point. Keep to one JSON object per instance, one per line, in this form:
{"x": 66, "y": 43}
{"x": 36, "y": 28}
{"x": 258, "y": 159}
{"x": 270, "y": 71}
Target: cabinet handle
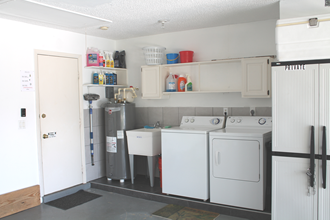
{"x": 324, "y": 158}
{"x": 312, "y": 158}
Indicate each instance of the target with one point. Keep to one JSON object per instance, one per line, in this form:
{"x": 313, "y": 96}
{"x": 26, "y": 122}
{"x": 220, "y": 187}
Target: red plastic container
{"x": 186, "y": 56}
{"x": 160, "y": 169}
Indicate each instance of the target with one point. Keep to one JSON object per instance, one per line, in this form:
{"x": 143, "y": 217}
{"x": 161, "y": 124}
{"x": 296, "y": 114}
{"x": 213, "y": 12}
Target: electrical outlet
{"x": 252, "y": 111}
{"x": 225, "y": 111}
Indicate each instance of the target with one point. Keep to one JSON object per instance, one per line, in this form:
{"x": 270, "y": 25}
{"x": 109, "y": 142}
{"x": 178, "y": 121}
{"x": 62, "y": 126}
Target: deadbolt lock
{"x": 44, "y": 136}
{"x": 43, "y": 115}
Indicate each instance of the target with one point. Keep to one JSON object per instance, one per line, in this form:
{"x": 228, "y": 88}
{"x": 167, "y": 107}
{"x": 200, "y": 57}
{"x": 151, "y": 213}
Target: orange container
{"x": 186, "y": 56}
{"x": 181, "y": 83}
{"x": 160, "y": 169}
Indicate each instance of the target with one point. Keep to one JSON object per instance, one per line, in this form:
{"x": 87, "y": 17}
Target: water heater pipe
{"x": 133, "y": 89}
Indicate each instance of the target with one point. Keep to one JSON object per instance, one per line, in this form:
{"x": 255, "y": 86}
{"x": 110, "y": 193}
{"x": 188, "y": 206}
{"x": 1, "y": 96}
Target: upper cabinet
{"x": 256, "y": 78}
{"x": 250, "y": 76}
{"x": 151, "y": 87}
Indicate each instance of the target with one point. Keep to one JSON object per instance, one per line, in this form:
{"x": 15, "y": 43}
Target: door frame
{"x": 38, "y": 121}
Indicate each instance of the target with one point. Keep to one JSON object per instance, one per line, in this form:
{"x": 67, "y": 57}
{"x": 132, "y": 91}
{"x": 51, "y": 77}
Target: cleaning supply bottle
{"x": 188, "y": 85}
{"x": 107, "y": 59}
{"x": 100, "y": 60}
{"x": 170, "y": 83}
{"x": 101, "y": 78}
{"x": 112, "y": 64}
{"x": 92, "y": 56}
{"x": 181, "y": 83}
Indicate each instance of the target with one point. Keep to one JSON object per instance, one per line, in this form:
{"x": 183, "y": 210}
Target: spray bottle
{"x": 107, "y": 59}
{"x": 112, "y": 64}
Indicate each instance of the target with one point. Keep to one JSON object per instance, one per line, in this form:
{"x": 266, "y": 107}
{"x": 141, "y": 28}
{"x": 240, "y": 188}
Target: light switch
{"x": 23, "y": 112}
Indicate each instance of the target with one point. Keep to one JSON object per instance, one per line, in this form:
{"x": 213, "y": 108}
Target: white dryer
{"x": 185, "y": 156}
{"x": 238, "y": 162}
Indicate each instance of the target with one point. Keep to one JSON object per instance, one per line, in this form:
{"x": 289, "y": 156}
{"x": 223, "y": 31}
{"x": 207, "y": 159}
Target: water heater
{"x": 119, "y": 117}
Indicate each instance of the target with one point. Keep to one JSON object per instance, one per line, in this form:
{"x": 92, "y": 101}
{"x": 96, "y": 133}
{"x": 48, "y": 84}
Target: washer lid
{"x": 195, "y": 130}
{"x": 241, "y": 132}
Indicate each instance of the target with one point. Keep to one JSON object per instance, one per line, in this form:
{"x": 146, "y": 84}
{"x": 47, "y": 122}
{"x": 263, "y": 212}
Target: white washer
{"x": 185, "y": 156}
{"x": 238, "y": 162}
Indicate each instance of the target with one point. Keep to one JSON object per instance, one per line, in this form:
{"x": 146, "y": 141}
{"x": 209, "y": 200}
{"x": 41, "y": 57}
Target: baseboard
{"x": 19, "y": 200}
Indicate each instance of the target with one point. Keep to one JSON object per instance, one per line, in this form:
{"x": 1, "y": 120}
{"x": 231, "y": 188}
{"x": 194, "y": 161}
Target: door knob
{"x": 44, "y": 136}
{"x": 43, "y": 115}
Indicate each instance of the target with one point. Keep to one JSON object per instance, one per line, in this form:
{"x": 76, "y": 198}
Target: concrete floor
{"x": 110, "y": 206}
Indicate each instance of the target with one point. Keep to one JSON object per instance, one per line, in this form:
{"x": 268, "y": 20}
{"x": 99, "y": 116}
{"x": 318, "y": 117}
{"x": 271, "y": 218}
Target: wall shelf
{"x": 105, "y": 68}
{"x": 98, "y": 85}
{"x": 122, "y": 78}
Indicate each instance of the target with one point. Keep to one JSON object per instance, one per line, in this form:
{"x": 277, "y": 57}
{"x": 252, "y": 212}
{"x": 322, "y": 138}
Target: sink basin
{"x": 144, "y": 141}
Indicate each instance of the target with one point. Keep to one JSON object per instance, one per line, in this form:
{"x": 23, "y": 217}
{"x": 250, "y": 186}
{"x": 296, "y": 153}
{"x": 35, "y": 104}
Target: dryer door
{"x": 236, "y": 159}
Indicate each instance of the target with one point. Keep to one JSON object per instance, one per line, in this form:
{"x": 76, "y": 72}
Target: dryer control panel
{"x": 249, "y": 121}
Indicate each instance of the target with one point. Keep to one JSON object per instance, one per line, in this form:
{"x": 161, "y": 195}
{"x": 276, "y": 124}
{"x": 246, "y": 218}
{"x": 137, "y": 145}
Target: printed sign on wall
{"x": 27, "y": 81}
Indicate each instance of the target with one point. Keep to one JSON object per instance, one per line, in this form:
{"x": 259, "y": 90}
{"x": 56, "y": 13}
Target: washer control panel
{"x": 193, "y": 121}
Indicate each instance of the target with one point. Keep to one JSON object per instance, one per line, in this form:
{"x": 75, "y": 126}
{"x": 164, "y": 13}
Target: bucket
{"x": 186, "y": 56}
{"x": 160, "y": 169}
{"x": 172, "y": 58}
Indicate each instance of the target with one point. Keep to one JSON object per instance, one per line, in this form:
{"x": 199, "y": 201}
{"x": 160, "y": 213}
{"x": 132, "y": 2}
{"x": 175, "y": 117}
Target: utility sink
{"x": 144, "y": 141}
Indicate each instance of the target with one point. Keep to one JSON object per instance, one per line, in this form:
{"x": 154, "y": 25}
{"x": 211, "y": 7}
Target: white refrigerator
{"x": 300, "y": 148}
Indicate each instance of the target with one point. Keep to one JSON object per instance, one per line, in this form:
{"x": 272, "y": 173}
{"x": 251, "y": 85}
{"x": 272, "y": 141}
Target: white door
{"x": 290, "y": 199}
{"x": 324, "y": 194}
{"x": 150, "y": 82}
{"x": 236, "y": 159}
{"x": 295, "y": 106}
{"x": 256, "y": 78}
{"x": 60, "y": 120}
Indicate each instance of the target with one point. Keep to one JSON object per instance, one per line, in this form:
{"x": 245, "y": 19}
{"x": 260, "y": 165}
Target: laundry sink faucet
{"x": 157, "y": 125}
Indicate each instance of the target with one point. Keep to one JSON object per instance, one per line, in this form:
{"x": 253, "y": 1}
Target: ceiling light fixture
{"x": 163, "y": 22}
{"x": 104, "y": 28}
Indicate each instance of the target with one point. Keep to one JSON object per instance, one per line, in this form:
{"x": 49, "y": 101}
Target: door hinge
{"x": 268, "y": 92}
{"x": 267, "y": 61}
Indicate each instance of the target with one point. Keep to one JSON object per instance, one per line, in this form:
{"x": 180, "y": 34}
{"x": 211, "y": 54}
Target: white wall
{"x": 232, "y": 41}
{"x": 19, "y": 152}
{"x": 19, "y": 161}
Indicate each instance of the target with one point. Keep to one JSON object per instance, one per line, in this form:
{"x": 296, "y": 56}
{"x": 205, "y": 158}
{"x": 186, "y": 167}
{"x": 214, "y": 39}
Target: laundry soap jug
{"x": 170, "y": 83}
{"x": 181, "y": 83}
{"x": 188, "y": 85}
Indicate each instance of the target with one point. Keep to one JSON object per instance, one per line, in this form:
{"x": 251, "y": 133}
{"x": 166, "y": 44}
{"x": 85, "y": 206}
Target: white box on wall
{"x": 297, "y": 40}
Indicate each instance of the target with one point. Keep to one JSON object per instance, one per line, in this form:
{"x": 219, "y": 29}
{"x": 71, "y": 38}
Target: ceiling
{"x": 135, "y": 18}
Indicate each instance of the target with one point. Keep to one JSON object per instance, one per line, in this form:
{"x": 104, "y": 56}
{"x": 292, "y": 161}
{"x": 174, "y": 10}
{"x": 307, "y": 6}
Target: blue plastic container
{"x": 172, "y": 58}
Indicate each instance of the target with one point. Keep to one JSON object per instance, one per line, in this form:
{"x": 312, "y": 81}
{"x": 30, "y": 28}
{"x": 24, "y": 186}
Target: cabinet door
{"x": 290, "y": 199}
{"x": 324, "y": 194}
{"x": 295, "y": 106}
{"x": 150, "y": 82}
{"x": 256, "y": 78}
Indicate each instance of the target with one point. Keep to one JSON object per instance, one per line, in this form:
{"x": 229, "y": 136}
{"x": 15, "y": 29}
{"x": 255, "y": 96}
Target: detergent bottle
{"x": 188, "y": 85}
{"x": 170, "y": 83}
{"x": 181, "y": 83}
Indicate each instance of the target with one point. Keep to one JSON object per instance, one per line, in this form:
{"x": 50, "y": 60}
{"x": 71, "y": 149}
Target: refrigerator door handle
{"x": 324, "y": 157}
{"x": 312, "y": 159}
